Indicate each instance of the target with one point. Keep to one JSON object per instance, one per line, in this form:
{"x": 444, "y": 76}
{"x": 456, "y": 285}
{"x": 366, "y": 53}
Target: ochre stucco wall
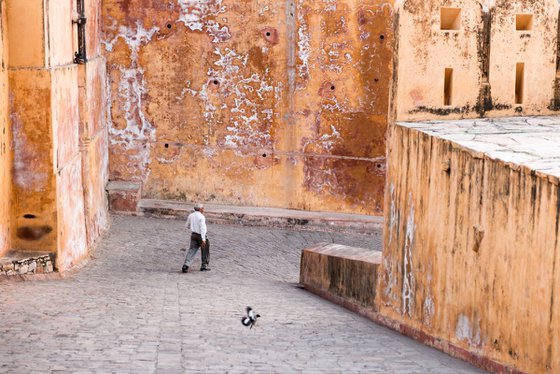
{"x": 58, "y": 119}
{"x": 5, "y": 140}
{"x": 259, "y": 102}
{"x": 93, "y": 127}
{"x": 471, "y": 248}
{"x": 483, "y": 83}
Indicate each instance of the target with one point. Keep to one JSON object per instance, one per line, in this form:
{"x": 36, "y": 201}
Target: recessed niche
{"x": 450, "y": 18}
{"x": 524, "y": 22}
{"x": 448, "y": 87}
{"x": 519, "y": 83}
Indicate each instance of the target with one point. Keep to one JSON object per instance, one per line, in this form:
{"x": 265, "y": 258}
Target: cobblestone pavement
{"x": 131, "y": 310}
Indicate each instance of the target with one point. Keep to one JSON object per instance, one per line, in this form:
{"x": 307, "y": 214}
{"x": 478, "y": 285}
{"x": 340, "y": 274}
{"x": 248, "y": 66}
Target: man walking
{"x": 197, "y": 224}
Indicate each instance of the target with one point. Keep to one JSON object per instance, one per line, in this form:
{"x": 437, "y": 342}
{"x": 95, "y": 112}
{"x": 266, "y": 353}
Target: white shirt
{"x": 197, "y": 223}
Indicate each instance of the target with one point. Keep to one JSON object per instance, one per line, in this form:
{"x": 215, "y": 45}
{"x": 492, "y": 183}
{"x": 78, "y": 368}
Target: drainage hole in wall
{"x": 216, "y": 82}
{"x": 264, "y": 154}
{"x": 268, "y": 33}
{"x": 168, "y": 25}
{"x": 376, "y": 80}
{"x": 29, "y": 216}
{"x": 166, "y": 145}
{"x": 332, "y": 88}
{"x": 381, "y": 36}
{"x": 379, "y": 166}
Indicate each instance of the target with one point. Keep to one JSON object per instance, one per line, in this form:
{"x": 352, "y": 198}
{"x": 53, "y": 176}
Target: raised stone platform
{"x": 269, "y": 217}
{"x": 344, "y": 275}
{"x": 26, "y": 263}
{"x": 532, "y": 143}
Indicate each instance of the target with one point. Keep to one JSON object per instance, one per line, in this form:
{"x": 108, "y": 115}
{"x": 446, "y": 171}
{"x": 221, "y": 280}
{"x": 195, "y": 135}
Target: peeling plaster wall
{"x": 483, "y": 54}
{"x": 5, "y": 140}
{"x": 259, "y": 102}
{"x": 471, "y": 248}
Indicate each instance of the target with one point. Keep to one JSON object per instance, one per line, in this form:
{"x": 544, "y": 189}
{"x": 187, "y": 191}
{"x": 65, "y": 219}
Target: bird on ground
{"x": 250, "y": 319}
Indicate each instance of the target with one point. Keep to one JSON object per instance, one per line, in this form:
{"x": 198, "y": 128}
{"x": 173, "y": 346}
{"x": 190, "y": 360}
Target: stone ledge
{"x": 124, "y": 196}
{"x": 267, "y": 217}
{"x": 336, "y": 273}
{"x": 346, "y": 273}
{"x": 21, "y": 263}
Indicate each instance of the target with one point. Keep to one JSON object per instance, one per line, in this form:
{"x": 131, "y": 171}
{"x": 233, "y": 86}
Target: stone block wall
{"x": 44, "y": 264}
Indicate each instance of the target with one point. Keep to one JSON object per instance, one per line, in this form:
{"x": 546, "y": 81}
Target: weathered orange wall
{"x": 471, "y": 248}
{"x": 93, "y": 127}
{"x": 59, "y": 129}
{"x": 484, "y": 74}
{"x": 261, "y": 102}
{"x": 5, "y": 140}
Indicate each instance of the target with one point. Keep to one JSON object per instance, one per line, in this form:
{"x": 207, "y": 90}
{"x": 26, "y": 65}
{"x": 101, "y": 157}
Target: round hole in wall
{"x": 268, "y": 33}
{"x": 166, "y": 145}
{"x": 264, "y": 154}
{"x": 216, "y": 82}
{"x": 168, "y": 25}
{"x": 332, "y": 88}
{"x": 379, "y": 166}
{"x": 381, "y": 36}
{"x": 29, "y": 216}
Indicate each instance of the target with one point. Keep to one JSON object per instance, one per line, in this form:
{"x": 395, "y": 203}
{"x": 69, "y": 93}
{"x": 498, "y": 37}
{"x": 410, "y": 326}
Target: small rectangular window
{"x": 519, "y": 83}
{"x": 524, "y": 22}
{"x": 450, "y": 18}
{"x": 448, "y": 88}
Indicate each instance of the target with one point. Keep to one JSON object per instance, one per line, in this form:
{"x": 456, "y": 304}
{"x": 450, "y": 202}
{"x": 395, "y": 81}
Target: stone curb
{"x": 265, "y": 217}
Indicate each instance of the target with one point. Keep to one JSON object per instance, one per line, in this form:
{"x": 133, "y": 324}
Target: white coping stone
{"x": 533, "y": 142}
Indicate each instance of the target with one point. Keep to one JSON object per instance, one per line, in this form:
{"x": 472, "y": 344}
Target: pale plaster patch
{"x": 327, "y": 142}
{"x": 199, "y": 15}
{"x": 465, "y": 331}
{"x": 304, "y": 47}
{"x": 131, "y": 91}
{"x": 409, "y": 284}
{"x": 249, "y": 123}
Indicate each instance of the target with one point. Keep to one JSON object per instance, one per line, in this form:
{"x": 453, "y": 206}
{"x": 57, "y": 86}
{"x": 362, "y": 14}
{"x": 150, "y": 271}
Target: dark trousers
{"x": 196, "y": 243}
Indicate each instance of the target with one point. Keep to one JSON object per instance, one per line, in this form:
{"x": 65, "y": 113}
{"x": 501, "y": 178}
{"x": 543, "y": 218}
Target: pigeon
{"x": 250, "y": 319}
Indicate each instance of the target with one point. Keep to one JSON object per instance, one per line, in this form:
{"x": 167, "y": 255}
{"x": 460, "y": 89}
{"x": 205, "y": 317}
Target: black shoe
{"x": 185, "y": 268}
{"x": 205, "y": 269}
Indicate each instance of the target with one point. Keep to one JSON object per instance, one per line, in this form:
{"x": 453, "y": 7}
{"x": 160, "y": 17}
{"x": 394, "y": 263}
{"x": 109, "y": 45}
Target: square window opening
{"x": 450, "y": 18}
{"x": 524, "y": 22}
{"x": 448, "y": 87}
{"x": 519, "y": 83}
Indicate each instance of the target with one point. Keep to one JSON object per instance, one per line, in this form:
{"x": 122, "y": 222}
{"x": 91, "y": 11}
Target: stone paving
{"x": 131, "y": 310}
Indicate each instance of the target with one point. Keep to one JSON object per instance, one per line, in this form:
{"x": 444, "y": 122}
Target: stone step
{"x": 342, "y": 274}
{"x": 27, "y": 263}
{"x": 123, "y": 196}
{"x": 268, "y": 217}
